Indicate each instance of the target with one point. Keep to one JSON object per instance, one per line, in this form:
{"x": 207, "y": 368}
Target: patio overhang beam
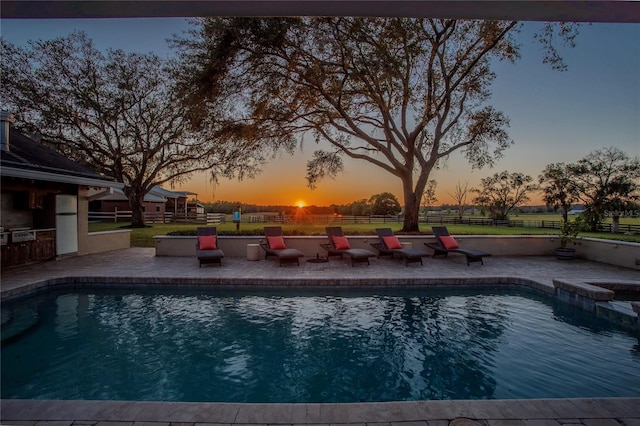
{"x": 59, "y": 178}
{"x": 524, "y": 10}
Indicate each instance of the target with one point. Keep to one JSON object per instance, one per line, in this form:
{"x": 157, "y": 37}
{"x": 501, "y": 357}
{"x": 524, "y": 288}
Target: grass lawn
{"x": 143, "y": 237}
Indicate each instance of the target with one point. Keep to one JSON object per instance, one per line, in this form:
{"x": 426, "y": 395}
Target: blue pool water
{"x": 310, "y": 346}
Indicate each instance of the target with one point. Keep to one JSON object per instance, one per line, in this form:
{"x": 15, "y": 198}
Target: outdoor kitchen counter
{"x": 27, "y": 246}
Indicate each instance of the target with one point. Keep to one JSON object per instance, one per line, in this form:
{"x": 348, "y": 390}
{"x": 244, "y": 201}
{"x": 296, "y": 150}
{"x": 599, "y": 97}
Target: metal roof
{"x": 28, "y": 159}
{"x": 171, "y": 194}
{"x": 155, "y": 195}
{"x": 118, "y": 195}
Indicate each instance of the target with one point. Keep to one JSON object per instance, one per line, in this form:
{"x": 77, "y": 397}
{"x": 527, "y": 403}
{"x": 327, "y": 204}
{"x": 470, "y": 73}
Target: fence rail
{"x": 214, "y": 218}
{"x": 153, "y": 217}
{"x": 551, "y": 224}
{"x": 322, "y": 218}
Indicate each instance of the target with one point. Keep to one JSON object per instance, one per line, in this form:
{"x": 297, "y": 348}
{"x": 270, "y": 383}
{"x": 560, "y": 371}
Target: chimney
{"x": 6, "y": 118}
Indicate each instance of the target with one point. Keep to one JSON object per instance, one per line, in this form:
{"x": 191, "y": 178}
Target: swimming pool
{"x": 329, "y": 345}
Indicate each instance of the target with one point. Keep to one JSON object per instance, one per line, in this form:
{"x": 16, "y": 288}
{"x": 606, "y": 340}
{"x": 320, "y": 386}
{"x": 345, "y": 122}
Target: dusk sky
{"x": 555, "y": 116}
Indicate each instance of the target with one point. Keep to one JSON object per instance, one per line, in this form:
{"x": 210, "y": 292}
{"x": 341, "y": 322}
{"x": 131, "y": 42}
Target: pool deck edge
{"x": 7, "y": 294}
{"x": 581, "y": 410}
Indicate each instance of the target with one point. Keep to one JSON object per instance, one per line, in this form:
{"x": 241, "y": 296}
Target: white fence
{"x": 153, "y": 217}
{"x": 320, "y": 218}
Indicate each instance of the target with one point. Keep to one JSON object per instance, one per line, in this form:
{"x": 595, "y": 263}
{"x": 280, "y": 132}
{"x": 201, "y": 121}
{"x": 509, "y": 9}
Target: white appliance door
{"x": 66, "y": 224}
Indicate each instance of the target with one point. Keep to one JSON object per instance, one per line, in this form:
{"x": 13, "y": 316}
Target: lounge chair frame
{"x": 356, "y": 255}
{"x": 439, "y": 249}
{"x": 208, "y": 256}
{"x": 409, "y": 255}
{"x": 287, "y": 255}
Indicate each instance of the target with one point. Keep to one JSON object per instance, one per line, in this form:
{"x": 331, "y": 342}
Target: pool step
{"x": 618, "y": 311}
{"x": 15, "y": 323}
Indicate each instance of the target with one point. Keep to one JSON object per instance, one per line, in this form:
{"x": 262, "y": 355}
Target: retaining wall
{"x": 97, "y": 242}
{"x": 605, "y": 251}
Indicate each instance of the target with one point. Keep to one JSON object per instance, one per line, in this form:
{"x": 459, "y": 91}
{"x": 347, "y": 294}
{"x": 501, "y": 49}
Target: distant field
{"x": 143, "y": 237}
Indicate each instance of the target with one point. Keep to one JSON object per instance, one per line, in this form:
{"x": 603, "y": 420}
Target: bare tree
{"x": 118, "y": 113}
{"x": 429, "y": 195}
{"x": 460, "y": 196}
{"x": 503, "y": 192}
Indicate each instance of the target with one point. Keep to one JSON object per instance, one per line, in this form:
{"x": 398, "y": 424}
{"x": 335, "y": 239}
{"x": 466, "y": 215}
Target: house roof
{"x": 171, "y": 194}
{"x": 155, "y": 195}
{"x": 118, "y": 195}
{"x": 26, "y": 158}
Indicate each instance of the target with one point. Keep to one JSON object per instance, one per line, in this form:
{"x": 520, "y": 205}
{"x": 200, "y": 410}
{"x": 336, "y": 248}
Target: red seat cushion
{"x": 341, "y": 242}
{"x": 276, "y": 242}
{"x": 392, "y": 242}
{"x": 449, "y": 242}
{"x": 208, "y": 242}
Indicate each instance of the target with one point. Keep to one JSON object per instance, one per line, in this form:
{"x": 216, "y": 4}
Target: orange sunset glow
{"x": 282, "y": 182}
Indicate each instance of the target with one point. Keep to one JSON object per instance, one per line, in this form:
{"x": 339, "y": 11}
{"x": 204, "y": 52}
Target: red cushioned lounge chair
{"x": 389, "y": 245}
{"x": 338, "y": 245}
{"x": 207, "y": 246}
{"x": 445, "y": 244}
{"x": 274, "y": 245}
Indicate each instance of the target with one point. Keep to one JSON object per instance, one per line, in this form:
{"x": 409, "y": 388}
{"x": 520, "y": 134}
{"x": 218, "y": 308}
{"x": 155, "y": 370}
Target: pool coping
{"x": 587, "y": 411}
{"x": 74, "y": 281}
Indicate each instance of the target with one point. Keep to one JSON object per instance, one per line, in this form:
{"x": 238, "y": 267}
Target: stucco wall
{"x": 96, "y": 242}
{"x": 612, "y": 252}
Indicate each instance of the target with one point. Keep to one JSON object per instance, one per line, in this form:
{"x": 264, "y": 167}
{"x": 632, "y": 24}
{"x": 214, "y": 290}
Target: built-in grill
{"x": 19, "y": 235}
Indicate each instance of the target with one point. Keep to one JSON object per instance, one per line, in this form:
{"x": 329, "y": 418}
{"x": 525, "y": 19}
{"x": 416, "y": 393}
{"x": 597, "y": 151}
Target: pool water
{"x": 311, "y": 346}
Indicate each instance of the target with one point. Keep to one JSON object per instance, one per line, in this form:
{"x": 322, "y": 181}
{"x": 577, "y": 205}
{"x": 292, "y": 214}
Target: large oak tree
{"x": 402, "y": 94}
{"x": 120, "y": 114}
{"x": 559, "y": 190}
{"x": 607, "y": 181}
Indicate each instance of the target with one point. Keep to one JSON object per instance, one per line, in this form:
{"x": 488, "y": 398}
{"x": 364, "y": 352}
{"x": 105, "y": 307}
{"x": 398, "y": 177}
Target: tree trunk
{"x": 615, "y": 224}
{"x": 136, "y": 201}
{"x": 411, "y": 209}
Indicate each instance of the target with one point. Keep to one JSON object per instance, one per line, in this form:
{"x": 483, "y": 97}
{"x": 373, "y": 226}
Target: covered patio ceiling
{"x": 526, "y": 10}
